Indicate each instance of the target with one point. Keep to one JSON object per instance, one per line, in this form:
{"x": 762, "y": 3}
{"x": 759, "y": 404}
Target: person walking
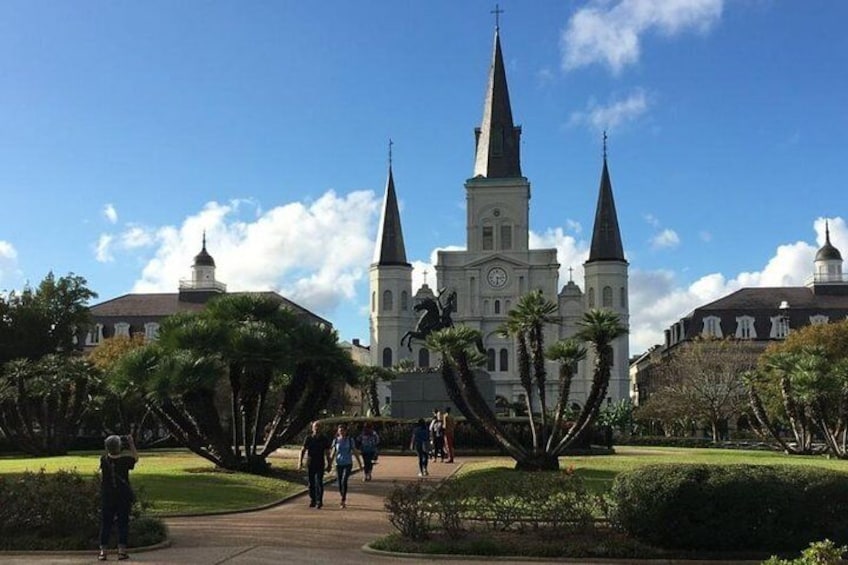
{"x": 117, "y": 496}
{"x": 368, "y": 441}
{"x": 316, "y": 450}
{"x": 343, "y": 453}
{"x": 420, "y": 442}
{"x": 449, "y": 425}
{"x": 437, "y": 435}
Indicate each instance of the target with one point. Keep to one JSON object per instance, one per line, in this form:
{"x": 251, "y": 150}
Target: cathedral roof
{"x": 606, "y": 237}
{"x": 828, "y": 252}
{"x": 498, "y": 140}
{"x": 203, "y": 259}
{"x": 390, "y": 249}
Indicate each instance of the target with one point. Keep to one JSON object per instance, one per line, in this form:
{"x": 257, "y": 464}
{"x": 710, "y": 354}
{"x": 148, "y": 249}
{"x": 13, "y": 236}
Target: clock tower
{"x": 497, "y": 267}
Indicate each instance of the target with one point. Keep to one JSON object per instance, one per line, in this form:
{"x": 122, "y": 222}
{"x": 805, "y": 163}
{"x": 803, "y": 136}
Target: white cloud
{"x": 110, "y": 213}
{"x": 419, "y": 268}
{"x": 614, "y": 114}
{"x": 8, "y": 261}
{"x": 312, "y": 252}
{"x": 665, "y": 239}
{"x": 656, "y": 301}
{"x": 574, "y": 226}
{"x": 571, "y": 252}
{"x": 610, "y": 32}
{"x": 103, "y": 249}
{"x": 652, "y": 220}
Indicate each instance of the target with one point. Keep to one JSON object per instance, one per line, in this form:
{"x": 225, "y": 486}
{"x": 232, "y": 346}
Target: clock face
{"x": 497, "y": 277}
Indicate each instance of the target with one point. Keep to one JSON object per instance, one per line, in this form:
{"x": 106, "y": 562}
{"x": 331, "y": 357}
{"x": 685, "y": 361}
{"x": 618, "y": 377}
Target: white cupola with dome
{"x": 203, "y": 273}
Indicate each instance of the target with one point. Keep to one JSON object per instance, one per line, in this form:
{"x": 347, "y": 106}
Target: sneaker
{"x": 319, "y": 505}
{"x": 343, "y": 504}
{"x": 420, "y": 474}
{"x": 312, "y": 504}
{"x": 102, "y": 555}
{"x": 123, "y": 555}
{"x": 426, "y": 472}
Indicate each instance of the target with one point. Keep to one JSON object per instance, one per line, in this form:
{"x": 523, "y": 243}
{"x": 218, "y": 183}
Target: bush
{"x": 62, "y": 511}
{"x": 731, "y": 507}
{"x": 819, "y": 553}
{"x": 407, "y": 512}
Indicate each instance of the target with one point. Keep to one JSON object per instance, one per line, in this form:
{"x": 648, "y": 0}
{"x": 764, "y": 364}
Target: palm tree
{"x": 516, "y": 327}
{"x": 532, "y": 312}
{"x": 568, "y": 353}
{"x": 600, "y": 328}
{"x": 459, "y": 355}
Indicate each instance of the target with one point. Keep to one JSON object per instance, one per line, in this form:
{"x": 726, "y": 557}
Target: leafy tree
{"x": 119, "y": 410}
{"x": 42, "y": 402}
{"x": 702, "y": 382}
{"x": 276, "y": 370}
{"x": 459, "y": 356}
{"x": 803, "y": 383}
{"x": 367, "y": 379}
{"x": 44, "y": 320}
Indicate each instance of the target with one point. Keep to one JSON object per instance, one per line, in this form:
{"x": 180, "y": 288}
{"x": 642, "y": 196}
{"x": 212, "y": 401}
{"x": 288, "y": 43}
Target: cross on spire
{"x": 390, "y": 151}
{"x": 605, "y": 145}
{"x": 497, "y": 12}
{"x": 425, "y": 276}
{"x": 570, "y": 274}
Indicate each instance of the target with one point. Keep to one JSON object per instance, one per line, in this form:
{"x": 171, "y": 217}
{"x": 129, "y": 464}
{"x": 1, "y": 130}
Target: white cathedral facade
{"x": 498, "y": 267}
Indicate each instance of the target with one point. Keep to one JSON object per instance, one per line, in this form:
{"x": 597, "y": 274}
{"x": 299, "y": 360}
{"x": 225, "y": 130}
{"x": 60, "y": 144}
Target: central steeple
{"x": 498, "y": 139}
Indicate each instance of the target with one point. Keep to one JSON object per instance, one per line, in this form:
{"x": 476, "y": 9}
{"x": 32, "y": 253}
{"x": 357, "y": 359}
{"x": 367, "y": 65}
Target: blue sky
{"x": 128, "y": 128}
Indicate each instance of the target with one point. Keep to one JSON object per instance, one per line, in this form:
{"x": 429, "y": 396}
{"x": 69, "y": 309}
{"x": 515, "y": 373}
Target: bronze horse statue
{"x": 435, "y": 317}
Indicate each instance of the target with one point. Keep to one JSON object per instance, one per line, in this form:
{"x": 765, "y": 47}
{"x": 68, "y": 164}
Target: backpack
{"x": 369, "y": 442}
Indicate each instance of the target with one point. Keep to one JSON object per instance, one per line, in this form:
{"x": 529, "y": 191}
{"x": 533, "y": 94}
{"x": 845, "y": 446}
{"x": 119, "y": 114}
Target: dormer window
{"x": 151, "y": 331}
{"x": 95, "y": 335}
{"x": 712, "y": 327}
{"x": 779, "y": 327}
{"x": 818, "y": 320}
{"x": 745, "y": 328}
{"x": 122, "y": 329}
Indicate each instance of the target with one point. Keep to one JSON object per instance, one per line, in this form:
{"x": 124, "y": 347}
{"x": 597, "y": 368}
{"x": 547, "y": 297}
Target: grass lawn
{"x": 179, "y": 482}
{"x": 599, "y": 470}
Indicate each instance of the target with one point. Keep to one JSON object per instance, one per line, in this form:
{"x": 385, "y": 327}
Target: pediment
{"x": 496, "y": 258}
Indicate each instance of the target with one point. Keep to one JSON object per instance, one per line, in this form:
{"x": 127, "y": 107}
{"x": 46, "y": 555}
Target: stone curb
{"x": 161, "y": 545}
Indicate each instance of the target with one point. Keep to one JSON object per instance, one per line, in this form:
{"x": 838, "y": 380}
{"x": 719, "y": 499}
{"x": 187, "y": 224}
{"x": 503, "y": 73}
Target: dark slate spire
{"x": 606, "y": 237}
{"x": 203, "y": 259}
{"x": 498, "y": 140}
{"x": 390, "y": 249}
{"x": 828, "y": 252}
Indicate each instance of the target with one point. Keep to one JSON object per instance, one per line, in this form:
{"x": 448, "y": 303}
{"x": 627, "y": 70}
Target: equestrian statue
{"x": 434, "y": 315}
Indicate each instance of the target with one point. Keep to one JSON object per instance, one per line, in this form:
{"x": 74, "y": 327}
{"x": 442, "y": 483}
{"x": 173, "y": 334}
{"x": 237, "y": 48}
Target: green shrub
{"x": 731, "y": 507}
{"x": 62, "y": 511}
{"x": 407, "y": 512}
{"x": 819, "y": 553}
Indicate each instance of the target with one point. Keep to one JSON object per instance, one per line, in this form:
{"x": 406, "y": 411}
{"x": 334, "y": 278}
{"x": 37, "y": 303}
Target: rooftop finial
{"x": 390, "y": 151}
{"x": 204, "y": 239}
{"x": 497, "y": 12}
{"x": 570, "y": 274}
{"x": 605, "y": 145}
{"x": 826, "y": 232}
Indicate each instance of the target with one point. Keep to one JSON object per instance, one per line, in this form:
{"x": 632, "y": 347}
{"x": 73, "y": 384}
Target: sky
{"x": 129, "y": 128}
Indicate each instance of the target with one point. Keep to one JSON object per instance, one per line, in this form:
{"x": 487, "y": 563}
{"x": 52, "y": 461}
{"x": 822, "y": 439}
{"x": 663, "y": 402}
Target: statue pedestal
{"x": 415, "y": 395}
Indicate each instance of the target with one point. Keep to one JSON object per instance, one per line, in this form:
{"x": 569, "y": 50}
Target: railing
{"x": 202, "y": 285}
{"x": 825, "y": 278}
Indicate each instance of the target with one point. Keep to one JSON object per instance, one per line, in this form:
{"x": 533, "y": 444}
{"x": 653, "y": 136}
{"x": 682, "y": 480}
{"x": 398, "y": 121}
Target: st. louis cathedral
{"x": 498, "y": 266}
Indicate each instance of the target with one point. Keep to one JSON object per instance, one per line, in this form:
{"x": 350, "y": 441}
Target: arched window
{"x": 387, "y": 300}
{"x": 404, "y": 301}
{"x": 504, "y": 359}
{"x": 497, "y": 306}
{"x": 387, "y": 357}
{"x": 591, "y": 298}
{"x": 423, "y": 357}
{"x": 607, "y": 297}
{"x": 490, "y": 359}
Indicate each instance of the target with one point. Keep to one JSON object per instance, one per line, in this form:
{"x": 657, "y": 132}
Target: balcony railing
{"x": 187, "y": 284}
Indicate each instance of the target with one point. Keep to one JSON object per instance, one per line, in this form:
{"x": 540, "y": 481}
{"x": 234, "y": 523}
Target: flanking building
{"x": 758, "y": 316}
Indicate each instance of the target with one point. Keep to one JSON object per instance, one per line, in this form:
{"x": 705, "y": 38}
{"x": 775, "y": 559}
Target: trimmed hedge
{"x": 61, "y": 510}
{"x": 731, "y": 507}
{"x": 395, "y": 433}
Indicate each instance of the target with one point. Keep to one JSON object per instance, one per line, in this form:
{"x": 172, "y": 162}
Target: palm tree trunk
{"x": 540, "y": 375}
{"x": 527, "y": 385}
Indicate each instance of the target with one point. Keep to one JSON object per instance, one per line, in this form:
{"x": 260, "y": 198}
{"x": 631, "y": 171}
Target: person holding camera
{"x": 117, "y": 496}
